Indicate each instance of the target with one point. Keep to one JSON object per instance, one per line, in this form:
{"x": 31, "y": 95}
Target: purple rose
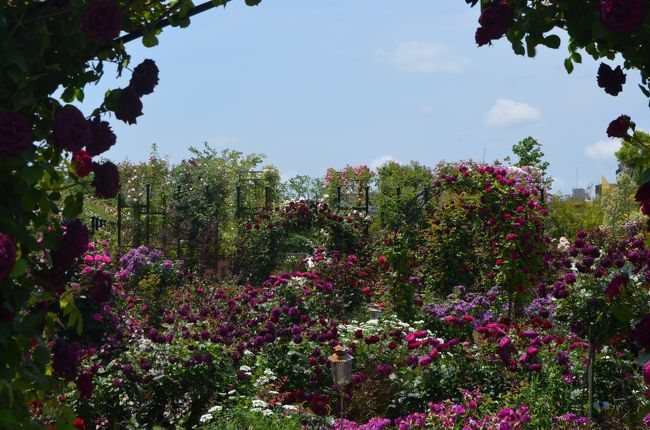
{"x": 129, "y": 105}
{"x": 496, "y": 18}
{"x": 611, "y": 80}
{"x": 85, "y": 384}
{"x": 384, "y": 369}
{"x": 641, "y": 333}
{"x": 102, "y": 21}
{"x": 107, "y": 180}
{"x": 102, "y": 137}
{"x": 71, "y": 130}
{"x": 16, "y": 134}
{"x": 622, "y": 16}
{"x": 619, "y": 127}
{"x": 74, "y": 244}
{"x": 144, "y": 78}
{"x": 7, "y": 256}
{"x": 102, "y": 287}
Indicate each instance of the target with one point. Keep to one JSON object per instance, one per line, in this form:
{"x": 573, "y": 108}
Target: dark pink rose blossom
{"x": 102, "y": 21}
{"x": 619, "y": 127}
{"x": 71, "y": 130}
{"x": 107, "y": 180}
{"x": 102, "y": 137}
{"x": 622, "y": 16}
{"x": 144, "y": 78}
{"x": 495, "y": 20}
{"x": 16, "y": 134}
{"x": 129, "y": 105}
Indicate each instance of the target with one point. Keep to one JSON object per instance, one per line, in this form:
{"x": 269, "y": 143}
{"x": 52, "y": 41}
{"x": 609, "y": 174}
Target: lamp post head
{"x": 341, "y": 363}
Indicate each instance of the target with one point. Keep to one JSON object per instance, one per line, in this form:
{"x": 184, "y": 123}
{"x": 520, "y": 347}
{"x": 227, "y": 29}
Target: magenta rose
{"x": 496, "y": 18}
{"x": 16, "y": 134}
{"x": 144, "y": 78}
{"x": 107, "y": 180}
{"x": 7, "y": 256}
{"x": 619, "y": 127}
{"x": 611, "y": 80}
{"x": 129, "y": 105}
{"x": 102, "y": 137}
{"x": 615, "y": 286}
{"x": 622, "y": 16}
{"x": 71, "y": 129}
{"x": 74, "y": 244}
{"x": 102, "y": 21}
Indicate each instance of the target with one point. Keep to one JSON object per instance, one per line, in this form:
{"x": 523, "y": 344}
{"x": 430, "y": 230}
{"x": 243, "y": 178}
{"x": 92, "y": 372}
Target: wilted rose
{"x": 611, "y": 80}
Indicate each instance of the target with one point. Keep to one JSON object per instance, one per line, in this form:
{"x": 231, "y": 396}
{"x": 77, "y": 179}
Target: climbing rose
{"x": 107, "y": 180}
{"x": 71, "y": 130}
{"x": 619, "y": 127}
{"x": 613, "y": 289}
{"x": 82, "y": 163}
{"x": 102, "y": 21}
{"x": 611, "y": 80}
{"x": 641, "y": 332}
{"x": 496, "y": 18}
{"x": 102, "y": 137}
{"x": 79, "y": 424}
{"x": 74, "y": 244}
{"x": 7, "y": 256}
{"x": 144, "y": 78}
{"x": 622, "y": 16}
{"x": 129, "y": 105}
{"x": 16, "y": 134}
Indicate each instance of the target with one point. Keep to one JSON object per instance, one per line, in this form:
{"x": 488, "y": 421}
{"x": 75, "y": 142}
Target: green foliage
{"x": 567, "y": 216}
{"x": 634, "y": 155}
{"x": 529, "y": 153}
{"x": 303, "y": 187}
{"x": 618, "y": 205}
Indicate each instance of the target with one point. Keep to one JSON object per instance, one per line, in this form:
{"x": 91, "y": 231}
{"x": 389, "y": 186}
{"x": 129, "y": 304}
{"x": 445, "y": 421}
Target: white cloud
{"x": 506, "y": 113}
{"x": 425, "y": 58}
{"x": 603, "y": 149}
{"x": 378, "y": 162}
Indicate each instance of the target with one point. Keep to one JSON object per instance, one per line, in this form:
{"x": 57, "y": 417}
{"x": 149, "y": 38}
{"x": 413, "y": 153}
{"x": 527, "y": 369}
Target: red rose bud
{"x": 611, "y": 80}
{"x": 71, "y": 130}
{"x": 620, "y": 126}
{"x": 107, "y": 180}
{"x": 144, "y": 78}
{"x": 102, "y": 21}
{"x": 16, "y": 134}
{"x": 622, "y": 16}
{"x": 82, "y": 163}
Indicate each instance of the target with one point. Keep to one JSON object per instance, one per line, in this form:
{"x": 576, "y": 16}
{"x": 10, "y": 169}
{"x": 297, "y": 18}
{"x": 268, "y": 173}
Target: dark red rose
{"x": 615, "y": 286}
{"x": 82, "y": 163}
{"x": 101, "y": 290}
{"x": 71, "y": 130}
{"x": 102, "y": 20}
{"x": 102, "y": 137}
{"x": 66, "y": 358}
{"x": 320, "y": 404}
{"x": 496, "y": 18}
{"x": 144, "y": 78}
{"x": 74, "y": 244}
{"x": 107, "y": 180}
{"x": 7, "y": 256}
{"x": 641, "y": 333}
{"x": 643, "y": 193}
{"x": 622, "y": 16}
{"x": 85, "y": 384}
{"x": 611, "y": 80}
{"x": 16, "y": 134}
{"x": 129, "y": 105}
{"x": 619, "y": 127}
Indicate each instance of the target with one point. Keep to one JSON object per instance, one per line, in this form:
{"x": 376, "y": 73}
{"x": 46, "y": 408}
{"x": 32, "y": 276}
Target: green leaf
{"x": 622, "y": 313}
{"x": 41, "y": 355}
{"x": 68, "y": 95}
{"x": 553, "y": 41}
{"x": 568, "y": 65}
{"x": 20, "y": 268}
{"x": 253, "y": 2}
{"x": 79, "y": 94}
{"x": 31, "y": 174}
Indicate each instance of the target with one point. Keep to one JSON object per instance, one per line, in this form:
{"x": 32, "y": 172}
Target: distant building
{"x": 603, "y": 188}
{"x": 579, "y": 194}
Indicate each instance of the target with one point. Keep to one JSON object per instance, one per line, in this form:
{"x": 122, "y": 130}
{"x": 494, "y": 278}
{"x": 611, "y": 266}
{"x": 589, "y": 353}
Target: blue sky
{"x": 323, "y": 84}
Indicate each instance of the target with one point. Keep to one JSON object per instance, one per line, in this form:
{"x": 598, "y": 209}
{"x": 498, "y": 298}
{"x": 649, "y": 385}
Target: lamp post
{"x": 341, "y": 363}
{"x": 375, "y": 312}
